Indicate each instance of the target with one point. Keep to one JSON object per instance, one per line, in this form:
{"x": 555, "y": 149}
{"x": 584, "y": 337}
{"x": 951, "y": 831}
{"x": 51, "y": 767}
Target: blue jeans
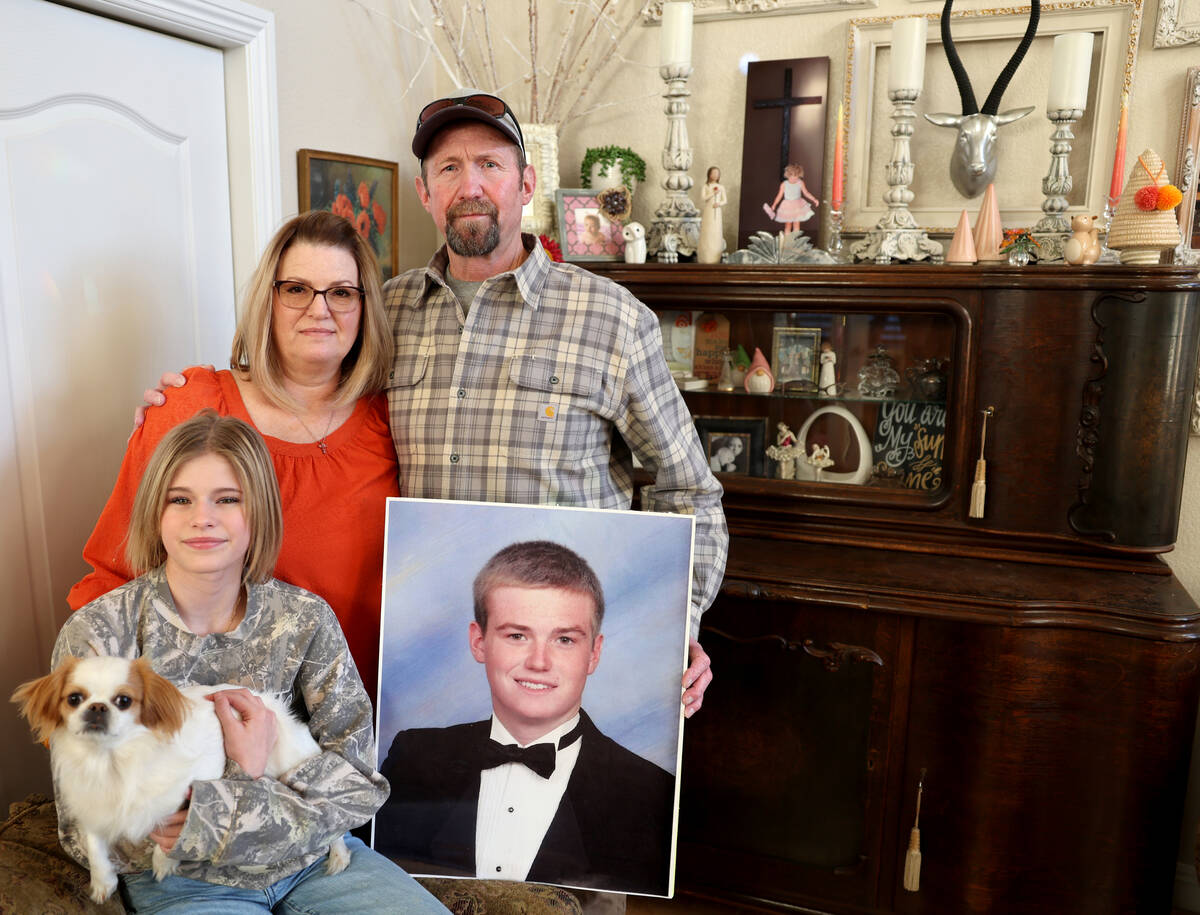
{"x": 371, "y": 884}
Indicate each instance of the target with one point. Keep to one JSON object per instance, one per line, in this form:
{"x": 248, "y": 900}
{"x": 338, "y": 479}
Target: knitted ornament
{"x": 1143, "y": 225}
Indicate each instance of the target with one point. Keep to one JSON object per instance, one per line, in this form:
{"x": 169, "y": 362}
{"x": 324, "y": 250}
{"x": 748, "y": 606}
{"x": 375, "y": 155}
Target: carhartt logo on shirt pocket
{"x": 547, "y": 412}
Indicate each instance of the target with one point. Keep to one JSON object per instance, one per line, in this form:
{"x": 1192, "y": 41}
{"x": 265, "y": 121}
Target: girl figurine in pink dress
{"x": 794, "y": 208}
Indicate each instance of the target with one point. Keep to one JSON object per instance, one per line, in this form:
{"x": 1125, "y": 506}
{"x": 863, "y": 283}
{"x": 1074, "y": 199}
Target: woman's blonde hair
{"x": 365, "y": 368}
{"x": 238, "y": 443}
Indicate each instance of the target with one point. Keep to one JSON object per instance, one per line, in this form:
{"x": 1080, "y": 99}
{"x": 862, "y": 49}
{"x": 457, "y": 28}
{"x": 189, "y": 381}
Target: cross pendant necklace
{"x": 318, "y": 440}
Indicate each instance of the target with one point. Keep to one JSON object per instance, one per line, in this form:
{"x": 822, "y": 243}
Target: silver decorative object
{"x": 675, "y": 228}
{"x": 897, "y": 237}
{"x": 973, "y": 162}
{"x": 1053, "y": 229}
{"x": 765, "y": 248}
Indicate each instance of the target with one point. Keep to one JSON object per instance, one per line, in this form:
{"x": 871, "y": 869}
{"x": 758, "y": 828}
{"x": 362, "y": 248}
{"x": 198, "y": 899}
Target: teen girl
{"x": 205, "y": 532}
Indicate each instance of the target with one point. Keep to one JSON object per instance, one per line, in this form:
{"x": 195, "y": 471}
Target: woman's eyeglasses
{"x": 294, "y": 294}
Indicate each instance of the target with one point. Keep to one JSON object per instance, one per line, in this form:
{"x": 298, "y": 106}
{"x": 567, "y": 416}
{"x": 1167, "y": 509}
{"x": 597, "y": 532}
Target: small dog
{"x": 126, "y": 745}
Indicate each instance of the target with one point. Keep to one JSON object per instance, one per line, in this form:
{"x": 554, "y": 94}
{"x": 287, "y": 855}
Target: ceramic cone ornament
{"x": 962, "y": 246}
{"x": 989, "y": 234}
{"x": 1142, "y": 228}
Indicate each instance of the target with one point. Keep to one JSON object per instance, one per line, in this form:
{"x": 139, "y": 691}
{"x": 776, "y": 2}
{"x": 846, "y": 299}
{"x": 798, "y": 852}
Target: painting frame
{"x": 541, "y": 151}
{"x": 574, "y": 207}
{"x": 750, "y": 430}
{"x": 335, "y": 181}
{"x": 1117, "y": 26}
{"x": 786, "y": 344}
{"x": 1170, "y": 31}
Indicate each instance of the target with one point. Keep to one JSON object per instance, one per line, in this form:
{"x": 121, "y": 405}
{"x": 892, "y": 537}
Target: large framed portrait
{"x": 584, "y": 231}
{"x": 795, "y": 355}
{"x": 733, "y": 444}
{"x": 363, "y": 190}
{"x": 529, "y": 713}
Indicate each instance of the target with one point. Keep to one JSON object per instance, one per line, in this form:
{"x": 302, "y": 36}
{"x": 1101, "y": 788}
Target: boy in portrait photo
{"x": 534, "y": 789}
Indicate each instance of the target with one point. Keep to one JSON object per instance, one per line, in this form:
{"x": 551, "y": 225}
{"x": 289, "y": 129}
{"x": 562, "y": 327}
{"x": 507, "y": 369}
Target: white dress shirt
{"x": 516, "y": 806}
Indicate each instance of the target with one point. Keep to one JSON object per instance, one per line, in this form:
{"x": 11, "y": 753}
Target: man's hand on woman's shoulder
{"x": 154, "y": 397}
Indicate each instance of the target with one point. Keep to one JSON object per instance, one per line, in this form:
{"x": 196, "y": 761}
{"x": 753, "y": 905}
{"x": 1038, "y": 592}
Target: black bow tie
{"x": 538, "y": 758}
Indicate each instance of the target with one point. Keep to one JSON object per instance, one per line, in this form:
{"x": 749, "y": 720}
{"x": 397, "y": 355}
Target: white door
{"x": 115, "y": 264}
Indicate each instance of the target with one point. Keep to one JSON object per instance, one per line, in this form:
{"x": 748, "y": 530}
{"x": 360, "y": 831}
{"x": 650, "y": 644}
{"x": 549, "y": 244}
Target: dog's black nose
{"x": 96, "y": 715}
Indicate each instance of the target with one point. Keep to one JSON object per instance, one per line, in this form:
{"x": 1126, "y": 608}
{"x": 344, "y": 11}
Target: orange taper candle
{"x": 836, "y": 193}
{"x": 1118, "y": 172}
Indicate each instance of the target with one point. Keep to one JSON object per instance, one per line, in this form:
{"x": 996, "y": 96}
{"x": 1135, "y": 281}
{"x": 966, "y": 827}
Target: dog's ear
{"x": 41, "y": 699}
{"x": 163, "y": 705}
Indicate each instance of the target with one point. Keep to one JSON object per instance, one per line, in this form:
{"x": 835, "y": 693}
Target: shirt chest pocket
{"x": 561, "y": 406}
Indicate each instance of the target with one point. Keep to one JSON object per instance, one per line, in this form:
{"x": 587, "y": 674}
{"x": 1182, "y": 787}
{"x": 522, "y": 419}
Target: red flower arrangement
{"x": 553, "y": 250}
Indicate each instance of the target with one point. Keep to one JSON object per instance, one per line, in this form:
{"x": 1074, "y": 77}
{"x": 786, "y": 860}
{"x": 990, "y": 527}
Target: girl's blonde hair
{"x": 365, "y": 368}
{"x": 793, "y": 170}
{"x": 239, "y": 444}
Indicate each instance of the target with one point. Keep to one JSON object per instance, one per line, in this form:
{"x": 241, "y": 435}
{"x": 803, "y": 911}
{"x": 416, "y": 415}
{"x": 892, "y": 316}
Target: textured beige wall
{"x": 341, "y": 75}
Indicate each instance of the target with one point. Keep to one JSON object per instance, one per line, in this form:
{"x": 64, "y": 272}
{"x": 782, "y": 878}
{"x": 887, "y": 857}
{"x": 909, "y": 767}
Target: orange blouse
{"x": 333, "y": 508}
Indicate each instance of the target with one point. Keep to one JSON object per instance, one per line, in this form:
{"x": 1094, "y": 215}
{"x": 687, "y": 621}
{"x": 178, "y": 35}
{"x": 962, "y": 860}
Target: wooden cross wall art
{"x": 786, "y": 102}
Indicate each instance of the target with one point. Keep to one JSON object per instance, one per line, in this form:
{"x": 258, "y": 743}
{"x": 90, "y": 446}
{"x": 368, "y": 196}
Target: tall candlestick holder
{"x": 897, "y": 237}
{"x": 675, "y": 228}
{"x": 1053, "y": 229}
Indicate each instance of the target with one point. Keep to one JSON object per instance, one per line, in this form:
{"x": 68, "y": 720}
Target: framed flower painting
{"x": 363, "y": 190}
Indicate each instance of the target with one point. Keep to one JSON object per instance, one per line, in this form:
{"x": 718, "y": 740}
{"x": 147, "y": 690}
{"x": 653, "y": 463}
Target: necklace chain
{"x": 318, "y": 439}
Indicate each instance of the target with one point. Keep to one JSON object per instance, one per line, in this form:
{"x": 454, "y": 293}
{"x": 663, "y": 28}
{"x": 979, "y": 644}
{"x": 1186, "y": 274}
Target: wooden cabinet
{"x": 1039, "y": 665}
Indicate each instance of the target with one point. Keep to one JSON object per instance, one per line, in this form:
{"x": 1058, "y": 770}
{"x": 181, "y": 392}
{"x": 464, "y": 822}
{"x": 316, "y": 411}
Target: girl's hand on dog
{"x": 249, "y": 728}
{"x": 166, "y": 833}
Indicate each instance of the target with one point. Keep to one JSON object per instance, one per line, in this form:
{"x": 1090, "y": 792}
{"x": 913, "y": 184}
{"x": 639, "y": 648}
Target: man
{"x": 536, "y": 792}
{"x": 521, "y": 380}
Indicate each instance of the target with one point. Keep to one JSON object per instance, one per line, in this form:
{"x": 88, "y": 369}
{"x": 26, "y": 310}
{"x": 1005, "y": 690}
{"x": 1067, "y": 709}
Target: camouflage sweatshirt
{"x": 242, "y": 831}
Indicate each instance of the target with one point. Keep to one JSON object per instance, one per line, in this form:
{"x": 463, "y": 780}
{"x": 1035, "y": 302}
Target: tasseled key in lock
{"x": 912, "y": 858}
{"x": 979, "y": 487}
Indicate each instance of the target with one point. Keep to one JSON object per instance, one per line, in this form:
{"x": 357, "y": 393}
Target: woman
{"x": 310, "y": 356}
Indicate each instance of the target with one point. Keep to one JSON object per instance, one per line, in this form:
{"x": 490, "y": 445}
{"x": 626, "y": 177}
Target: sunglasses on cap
{"x": 490, "y": 105}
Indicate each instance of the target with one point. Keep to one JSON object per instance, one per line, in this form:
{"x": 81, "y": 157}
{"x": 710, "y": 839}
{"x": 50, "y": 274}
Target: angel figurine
{"x": 827, "y": 384}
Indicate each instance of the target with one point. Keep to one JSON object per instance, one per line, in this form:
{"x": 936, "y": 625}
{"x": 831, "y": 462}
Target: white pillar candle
{"x": 1070, "y": 71}
{"x": 675, "y": 43}
{"x": 907, "y": 68}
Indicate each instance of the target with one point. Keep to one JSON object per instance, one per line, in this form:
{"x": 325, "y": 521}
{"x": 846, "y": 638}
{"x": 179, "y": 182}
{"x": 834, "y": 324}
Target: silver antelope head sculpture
{"x": 973, "y": 163}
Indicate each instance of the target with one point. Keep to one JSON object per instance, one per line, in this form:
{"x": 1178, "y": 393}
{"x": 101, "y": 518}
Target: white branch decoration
{"x": 559, "y": 84}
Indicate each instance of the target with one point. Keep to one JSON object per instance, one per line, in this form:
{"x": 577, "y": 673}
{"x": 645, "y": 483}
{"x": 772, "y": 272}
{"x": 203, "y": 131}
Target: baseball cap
{"x": 465, "y": 104}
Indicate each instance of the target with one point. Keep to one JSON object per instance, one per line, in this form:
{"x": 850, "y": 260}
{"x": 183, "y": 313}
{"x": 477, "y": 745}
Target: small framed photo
{"x": 363, "y": 190}
{"x": 734, "y": 444}
{"x": 584, "y": 232}
{"x": 795, "y": 355}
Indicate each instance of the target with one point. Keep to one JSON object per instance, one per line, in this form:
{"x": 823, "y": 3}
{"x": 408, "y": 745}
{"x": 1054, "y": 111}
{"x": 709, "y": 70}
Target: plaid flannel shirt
{"x": 519, "y": 400}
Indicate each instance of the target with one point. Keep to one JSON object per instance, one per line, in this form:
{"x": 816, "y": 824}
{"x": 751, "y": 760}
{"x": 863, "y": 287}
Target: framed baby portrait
{"x": 795, "y": 355}
{"x": 584, "y": 231}
{"x": 733, "y": 444}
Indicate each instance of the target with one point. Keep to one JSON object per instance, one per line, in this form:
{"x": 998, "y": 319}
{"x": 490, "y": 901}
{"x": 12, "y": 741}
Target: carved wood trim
{"x": 1088, "y": 432}
{"x": 831, "y": 658}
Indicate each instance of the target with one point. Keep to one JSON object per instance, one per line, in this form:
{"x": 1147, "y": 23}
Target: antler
{"x": 965, "y": 92}
{"x": 992, "y": 105}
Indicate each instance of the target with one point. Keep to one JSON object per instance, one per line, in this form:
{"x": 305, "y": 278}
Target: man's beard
{"x": 476, "y": 241}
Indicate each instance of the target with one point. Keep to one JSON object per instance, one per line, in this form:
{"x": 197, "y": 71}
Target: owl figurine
{"x": 634, "y": 234}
